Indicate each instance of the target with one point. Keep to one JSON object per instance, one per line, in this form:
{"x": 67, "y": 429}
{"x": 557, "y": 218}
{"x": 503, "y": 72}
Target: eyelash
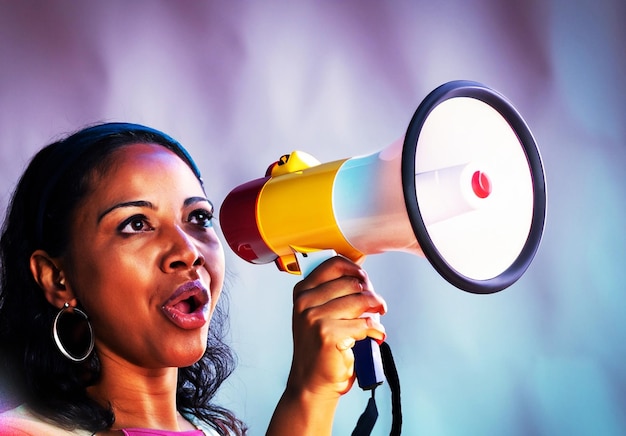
{"x": 135, "y": 219}
{"x": 203, "y": 217}
{"x": 207, "y": 222}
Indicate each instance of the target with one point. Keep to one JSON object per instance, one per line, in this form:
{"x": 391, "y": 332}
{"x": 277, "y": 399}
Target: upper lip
{"x": 194, "y": 291}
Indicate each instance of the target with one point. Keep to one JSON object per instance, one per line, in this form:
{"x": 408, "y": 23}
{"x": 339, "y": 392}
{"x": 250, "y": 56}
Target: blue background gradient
{"x": 242, "y": 82}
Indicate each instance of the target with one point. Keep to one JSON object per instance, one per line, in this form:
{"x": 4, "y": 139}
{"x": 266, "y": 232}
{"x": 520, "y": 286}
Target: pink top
{"x": 148, "y": 432}
{"x": 22, "y": 421}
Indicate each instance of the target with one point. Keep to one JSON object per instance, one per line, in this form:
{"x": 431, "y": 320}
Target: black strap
{"x": 365, "y": 424}
{"x": 367, "y": 420}
{"x": 391, "y": 374}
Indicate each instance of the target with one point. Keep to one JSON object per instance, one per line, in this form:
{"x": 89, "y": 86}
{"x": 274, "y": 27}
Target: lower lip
{"x": 187, "y": 321}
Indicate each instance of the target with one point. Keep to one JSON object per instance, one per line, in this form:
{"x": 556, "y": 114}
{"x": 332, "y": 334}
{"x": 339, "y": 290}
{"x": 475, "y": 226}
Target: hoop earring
{"x": 57, "y": 338}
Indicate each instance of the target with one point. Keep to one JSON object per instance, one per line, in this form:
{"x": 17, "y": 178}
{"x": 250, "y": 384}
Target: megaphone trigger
{"x": 308, "y": 261}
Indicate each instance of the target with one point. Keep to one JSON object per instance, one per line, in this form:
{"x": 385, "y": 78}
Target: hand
{"x": 328, "y": 305}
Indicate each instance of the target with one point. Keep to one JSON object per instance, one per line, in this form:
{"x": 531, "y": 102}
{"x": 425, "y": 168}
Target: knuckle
{"x": 354, "y": 283}
{"x": 327, "y": 334}
{"x": 299, "y": 305}
{"x": 310, "y": 318}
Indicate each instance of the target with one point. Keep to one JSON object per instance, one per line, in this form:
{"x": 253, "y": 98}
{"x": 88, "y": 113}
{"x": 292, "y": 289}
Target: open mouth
{"x": 188, "y": 306}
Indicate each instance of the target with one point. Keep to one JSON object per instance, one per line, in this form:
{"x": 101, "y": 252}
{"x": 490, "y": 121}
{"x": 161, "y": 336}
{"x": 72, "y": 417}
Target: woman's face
{"x": 144, "y": 261}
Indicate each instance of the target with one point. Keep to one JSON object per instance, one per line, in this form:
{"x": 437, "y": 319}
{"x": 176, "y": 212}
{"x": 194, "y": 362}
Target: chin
{"x": 188, "y": 363}
{"x": 186, "y": 349}
{"x": 190, "y": 355}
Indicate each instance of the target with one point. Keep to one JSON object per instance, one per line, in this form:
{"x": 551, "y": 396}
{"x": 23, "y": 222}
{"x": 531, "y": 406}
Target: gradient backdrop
{"x": 242, "y": 82}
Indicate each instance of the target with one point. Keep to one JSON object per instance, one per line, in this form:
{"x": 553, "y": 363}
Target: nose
{"x": 181, "y": 253}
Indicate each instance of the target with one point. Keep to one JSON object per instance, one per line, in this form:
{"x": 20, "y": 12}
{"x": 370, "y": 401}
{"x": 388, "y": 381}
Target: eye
{"x": 135, "y": 224}
{"x": 201, "y": 217}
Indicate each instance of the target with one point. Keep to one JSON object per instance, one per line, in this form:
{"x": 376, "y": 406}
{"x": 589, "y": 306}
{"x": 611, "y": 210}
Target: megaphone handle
{"x": 368, "y": 363}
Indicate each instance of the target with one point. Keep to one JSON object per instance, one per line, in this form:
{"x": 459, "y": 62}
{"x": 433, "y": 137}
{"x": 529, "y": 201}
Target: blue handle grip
{"x": 368, "y": 364}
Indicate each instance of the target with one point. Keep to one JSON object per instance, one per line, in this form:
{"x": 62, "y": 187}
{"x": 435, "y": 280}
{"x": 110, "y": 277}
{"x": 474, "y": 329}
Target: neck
{"x": 140, "y": 397}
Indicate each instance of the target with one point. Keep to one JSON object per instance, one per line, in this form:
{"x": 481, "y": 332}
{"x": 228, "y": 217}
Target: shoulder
{"x": 21, "y": 421}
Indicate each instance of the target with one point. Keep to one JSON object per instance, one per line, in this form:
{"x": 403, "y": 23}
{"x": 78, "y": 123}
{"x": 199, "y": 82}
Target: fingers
{"x": 332, "y": 268}
{"x": 334, "y": 299}
{"x": 348, "y": 333}
{"x": 348, "y": 308}
{"x": 341, "y": 285}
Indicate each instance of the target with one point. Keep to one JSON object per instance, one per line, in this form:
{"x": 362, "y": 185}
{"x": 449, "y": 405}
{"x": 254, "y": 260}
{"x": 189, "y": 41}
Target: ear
{"x": 51, "y": 279}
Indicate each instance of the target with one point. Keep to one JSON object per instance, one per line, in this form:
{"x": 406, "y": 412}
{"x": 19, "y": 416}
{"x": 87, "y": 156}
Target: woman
{"x": 111, "y": 274}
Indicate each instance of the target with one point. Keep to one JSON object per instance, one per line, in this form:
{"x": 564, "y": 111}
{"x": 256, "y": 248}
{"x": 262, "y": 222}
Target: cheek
{"x": 217, "y": 283}
{"x": 215, "y": 267}
{"x": 118, "y": 304}
{"x": 109, "y": 287}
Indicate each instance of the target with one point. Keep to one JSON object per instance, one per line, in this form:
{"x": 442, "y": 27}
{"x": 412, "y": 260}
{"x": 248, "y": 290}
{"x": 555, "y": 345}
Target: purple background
{"x": 242, "y": 82}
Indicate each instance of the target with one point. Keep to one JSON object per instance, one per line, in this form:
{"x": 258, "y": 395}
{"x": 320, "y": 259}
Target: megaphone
{"x": 464, "y": 188}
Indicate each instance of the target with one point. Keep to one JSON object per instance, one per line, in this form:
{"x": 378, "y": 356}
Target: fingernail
{"x": 380, "y": 341}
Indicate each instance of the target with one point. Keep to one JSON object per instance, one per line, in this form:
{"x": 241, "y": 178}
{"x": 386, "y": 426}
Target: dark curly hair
{"x": 38, "y": 217}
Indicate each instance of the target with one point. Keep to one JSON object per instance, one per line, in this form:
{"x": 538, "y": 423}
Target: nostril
{"x": 182, "y": 264}
{"x": 177, "y": 264}
{"x": 199, "y": 261}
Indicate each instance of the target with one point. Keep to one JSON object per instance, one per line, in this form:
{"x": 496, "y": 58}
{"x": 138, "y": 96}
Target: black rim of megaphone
{"x": 462, "y": 88}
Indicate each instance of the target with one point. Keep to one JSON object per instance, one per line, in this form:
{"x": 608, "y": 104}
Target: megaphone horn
{"x": 465, "y": 188}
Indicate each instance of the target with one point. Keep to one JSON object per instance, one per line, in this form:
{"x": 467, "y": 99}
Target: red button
{"x": 481, "y": 184}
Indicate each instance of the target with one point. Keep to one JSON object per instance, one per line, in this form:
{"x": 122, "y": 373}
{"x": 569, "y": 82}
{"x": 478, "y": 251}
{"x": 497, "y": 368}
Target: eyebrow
{"x": 193, "y": 200}
{"x": 141, "y": 203}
